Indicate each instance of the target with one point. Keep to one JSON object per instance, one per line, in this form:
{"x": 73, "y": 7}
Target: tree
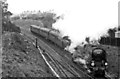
{"x": 6, "y": 23}
{"x": 4, "y": 5}
{"x": 49, "y": 18}
{"x": 111, "y": 32}
{"x": 87, "y": 39}
{"x": 110, "y": 38}
{"x": 5, "y": 12}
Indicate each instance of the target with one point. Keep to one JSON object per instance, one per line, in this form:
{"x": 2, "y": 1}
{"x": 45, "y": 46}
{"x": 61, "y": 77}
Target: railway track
{"x": 63, "y": 69}
{"x": 71, "y": 69}
{"x": 69, "y": 64}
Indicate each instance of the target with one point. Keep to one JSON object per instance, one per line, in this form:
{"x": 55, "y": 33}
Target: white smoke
{"x": 65, "y": 32}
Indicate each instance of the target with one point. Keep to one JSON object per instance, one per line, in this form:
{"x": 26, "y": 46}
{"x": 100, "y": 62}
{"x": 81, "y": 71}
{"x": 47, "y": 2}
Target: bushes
{"x": 8, "y": 26}
{"x": 14, "y": 42}
{"x": 21, "y": 58}
{"x": 110, "y": 41}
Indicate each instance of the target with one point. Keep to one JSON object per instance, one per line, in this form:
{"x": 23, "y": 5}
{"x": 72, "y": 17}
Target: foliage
{"x": 87, "y": 39}
{"x": 47, "y": 17}
{"x": 6, "y": 23}
{"x": 111, "y": 32}
{"x": 15, "y": 18}
{"x": 4, "y": 5}
{"x": 110, "y": 39}
{"x": 21, "y": 58}
{"x": 5, "y": 11}
{"x": 8, "y": 26}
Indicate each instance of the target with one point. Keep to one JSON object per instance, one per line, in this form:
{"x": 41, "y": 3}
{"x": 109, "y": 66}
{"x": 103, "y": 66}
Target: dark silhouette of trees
{"x": 110, "y": 39}
{"x": 47, "y": 18}
{"x": 6, "y": 23}
{"x": 111, "y": 32}
{"x": 87, "y": 39}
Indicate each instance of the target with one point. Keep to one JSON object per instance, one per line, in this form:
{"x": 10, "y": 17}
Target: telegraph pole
{"x": 0, "y": 39}
{"x": 118, "y": 38}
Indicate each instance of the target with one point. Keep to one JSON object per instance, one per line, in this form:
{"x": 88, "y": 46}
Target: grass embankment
{"x": 8, "y": 26}
{"x": 113, "y": 59}
{"x": 21, "y": 58}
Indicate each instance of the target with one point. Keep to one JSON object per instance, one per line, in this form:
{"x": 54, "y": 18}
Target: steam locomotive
{"x": 98, "y": 63}
{"x": 52, "y": 35}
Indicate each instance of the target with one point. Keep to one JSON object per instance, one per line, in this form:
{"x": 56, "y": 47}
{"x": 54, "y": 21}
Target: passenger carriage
{"x": 55, "y": 37}
{"x": 34, "y": 29}
{"x": 44, "y": 32}
{"x": 50, "y": 34}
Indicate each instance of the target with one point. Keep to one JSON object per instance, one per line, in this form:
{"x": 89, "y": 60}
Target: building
{"x": 117, "y": 34}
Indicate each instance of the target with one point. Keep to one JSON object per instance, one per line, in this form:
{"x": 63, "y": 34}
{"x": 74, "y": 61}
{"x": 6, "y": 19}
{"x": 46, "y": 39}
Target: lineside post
{"x": 36, "y": 42}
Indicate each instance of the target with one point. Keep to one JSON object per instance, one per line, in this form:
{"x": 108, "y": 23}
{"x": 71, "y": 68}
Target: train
{"x": 52, "y": 35}
{"x": 98, "y": 63}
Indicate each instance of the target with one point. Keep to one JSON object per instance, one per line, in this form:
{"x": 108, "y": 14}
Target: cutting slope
{"x": 21, "y": 58}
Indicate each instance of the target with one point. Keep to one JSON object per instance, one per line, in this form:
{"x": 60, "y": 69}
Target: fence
{"x": 110, "y": 41}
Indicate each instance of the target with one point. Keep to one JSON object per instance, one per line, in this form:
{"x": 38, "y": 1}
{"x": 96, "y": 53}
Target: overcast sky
{"x": 82, "y": 17}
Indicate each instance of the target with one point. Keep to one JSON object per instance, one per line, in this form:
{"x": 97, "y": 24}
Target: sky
{"x": 81, "y": 17}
